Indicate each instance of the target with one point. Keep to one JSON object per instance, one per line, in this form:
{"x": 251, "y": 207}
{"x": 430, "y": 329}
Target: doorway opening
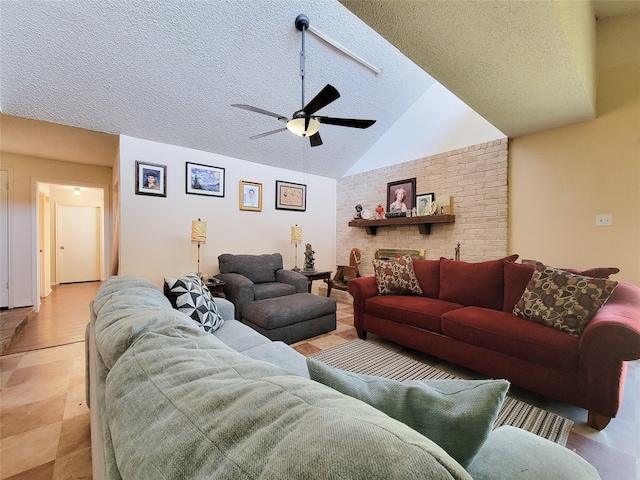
{"x": 71, "y": 235}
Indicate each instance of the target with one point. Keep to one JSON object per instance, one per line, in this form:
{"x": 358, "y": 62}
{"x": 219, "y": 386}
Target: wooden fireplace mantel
{"x": 424, "y": 222}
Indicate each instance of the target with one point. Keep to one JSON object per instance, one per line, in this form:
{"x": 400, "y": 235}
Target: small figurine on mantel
{"x": 358, "y": 213}
{"x": 309, "y": 261}
{"x": 379, "y": 211}
{"x": 456, "y": 255}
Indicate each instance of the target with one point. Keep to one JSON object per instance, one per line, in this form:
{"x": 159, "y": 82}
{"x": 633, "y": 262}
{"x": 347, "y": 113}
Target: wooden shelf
{"x": 424, "y": 222}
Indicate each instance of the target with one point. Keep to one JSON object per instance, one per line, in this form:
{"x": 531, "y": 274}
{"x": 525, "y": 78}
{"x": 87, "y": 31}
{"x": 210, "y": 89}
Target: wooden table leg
{"x": 329, "y": 283}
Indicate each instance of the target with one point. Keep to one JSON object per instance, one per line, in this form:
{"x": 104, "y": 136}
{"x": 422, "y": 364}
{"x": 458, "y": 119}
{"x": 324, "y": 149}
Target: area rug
{"x": 366, "y": 357}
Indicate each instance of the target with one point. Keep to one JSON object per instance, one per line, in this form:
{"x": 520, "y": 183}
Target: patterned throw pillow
{"x": 396, "y": 277}
{"x": 189, "y": 295}
{"x": 562, "y": 300}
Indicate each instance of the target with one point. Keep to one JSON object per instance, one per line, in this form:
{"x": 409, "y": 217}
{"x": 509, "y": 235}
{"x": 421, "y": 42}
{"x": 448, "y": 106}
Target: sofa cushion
{"x": 458, "y": 415}
{"x": 417, "y": 311}
{"x": 257, "y": 268}
{"x": 207, "y": 412}
{"x": 428, "y": 274}
{"x": 126, "y": 308}
{"x": 263, "y": 291}
{"x": 396, "y": 277}
{"x": 503, "y": 332}
{"x": 189, "y": 296}
{"x": 516, "y": 279}
{"x": 479, "y": 284}
{"x": 562, "y": 300}
{"x": 596, "y": 272}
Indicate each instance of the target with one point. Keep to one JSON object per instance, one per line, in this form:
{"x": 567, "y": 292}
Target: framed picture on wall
{"x": 250, "y": 196}
{"x": 401, "y": 195}
{"x": 151, "y": 179}
{"x": 423, "y": 203}
{"x": 291, "y": 196}
{"x": 205, "y": 180}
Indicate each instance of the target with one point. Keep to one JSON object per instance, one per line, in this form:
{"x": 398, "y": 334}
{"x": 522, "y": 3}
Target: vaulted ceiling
{"x": 74, "y": 75}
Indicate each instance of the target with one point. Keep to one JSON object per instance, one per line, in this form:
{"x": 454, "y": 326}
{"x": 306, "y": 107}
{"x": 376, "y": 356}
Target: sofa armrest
{"x": 298, "y": 280}
{"x": 226, "y": 309}
{"x": 611, "y": 338}
{"x": 238, "y": 289}
{"x": 361, "y": 289}
{"x": 511, "y": 452}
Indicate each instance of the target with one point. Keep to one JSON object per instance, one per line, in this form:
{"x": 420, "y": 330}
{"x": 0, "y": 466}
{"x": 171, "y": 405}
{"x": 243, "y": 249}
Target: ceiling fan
{"x": 303, "y": 122}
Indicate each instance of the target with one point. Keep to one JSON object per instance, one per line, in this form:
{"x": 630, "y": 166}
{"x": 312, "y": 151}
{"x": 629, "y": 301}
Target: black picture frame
{"x": 291, "y": 196}
{"x": 409, "y": 200}
{"x": 205, "y": 180}
{"x": 151, "y": 179}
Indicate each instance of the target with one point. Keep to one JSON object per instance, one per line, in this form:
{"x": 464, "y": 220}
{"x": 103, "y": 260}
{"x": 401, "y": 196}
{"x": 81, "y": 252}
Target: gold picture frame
{"x": 250, "y": 196}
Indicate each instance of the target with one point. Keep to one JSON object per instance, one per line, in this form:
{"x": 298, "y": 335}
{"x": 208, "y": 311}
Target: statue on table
{"x": 309, "y": 261}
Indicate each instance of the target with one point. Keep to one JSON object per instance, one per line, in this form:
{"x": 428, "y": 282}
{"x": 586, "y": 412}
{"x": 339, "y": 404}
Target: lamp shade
{"x": 296, "y": 234}
{"x": 296, "y": 126}
{"x": 198, "y": 231}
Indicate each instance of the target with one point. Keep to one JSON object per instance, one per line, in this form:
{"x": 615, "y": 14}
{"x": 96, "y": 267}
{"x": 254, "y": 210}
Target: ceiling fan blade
{"x": 315, "y": 140}
{"x": 282, "y": 118}
{"x": 260, "y": 135}
{"x": 346, "y": 122}
{"x": 327, "y": 95}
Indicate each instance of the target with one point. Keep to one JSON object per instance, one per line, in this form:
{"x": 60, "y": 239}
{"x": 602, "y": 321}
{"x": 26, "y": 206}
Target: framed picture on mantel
{"x": 401, "y": 195}
{"x": 424, "y": 202}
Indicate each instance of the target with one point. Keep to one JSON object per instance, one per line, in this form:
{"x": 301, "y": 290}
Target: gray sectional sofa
{"x": 169, "y": 400}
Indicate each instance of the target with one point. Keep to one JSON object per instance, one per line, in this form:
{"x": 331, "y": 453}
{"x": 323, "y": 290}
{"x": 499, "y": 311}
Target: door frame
{"x": 8, "y": 233}
{"x": 105, "y": 240}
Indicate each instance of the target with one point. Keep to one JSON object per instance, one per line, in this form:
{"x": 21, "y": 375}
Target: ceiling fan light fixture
{"x": 296, "y": 126}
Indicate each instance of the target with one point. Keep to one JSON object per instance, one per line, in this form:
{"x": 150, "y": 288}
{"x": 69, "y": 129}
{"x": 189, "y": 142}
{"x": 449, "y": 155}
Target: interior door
{"x": 77, "y": 243}
{"x": 4, "y": 239}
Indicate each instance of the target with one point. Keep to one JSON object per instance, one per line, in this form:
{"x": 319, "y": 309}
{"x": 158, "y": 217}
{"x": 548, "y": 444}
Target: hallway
{"x": 61, "y": 320}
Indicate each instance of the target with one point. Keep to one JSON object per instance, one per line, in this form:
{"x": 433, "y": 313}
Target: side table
{"x": 318, "y": 275}
{"x": 216, "y": 288}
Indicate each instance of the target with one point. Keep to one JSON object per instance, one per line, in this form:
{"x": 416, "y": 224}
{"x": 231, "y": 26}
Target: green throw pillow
{"x": 458, "y": 415}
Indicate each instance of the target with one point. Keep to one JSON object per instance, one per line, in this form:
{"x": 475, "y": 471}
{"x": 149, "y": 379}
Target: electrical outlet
{"x": 604, "y": 220}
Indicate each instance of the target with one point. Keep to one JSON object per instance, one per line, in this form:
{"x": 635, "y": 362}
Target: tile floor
{"x": 45, "y": 433}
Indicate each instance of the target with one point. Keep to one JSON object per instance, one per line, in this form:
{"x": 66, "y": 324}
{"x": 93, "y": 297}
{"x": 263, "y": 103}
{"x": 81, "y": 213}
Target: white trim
{"x": 9, "y": 170}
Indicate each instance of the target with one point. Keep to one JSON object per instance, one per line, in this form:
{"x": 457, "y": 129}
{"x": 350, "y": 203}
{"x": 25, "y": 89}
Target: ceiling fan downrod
{"x": 302, "y": 23}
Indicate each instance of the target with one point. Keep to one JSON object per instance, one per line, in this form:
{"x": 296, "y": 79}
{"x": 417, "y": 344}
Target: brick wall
{"x": 476, "y": 179}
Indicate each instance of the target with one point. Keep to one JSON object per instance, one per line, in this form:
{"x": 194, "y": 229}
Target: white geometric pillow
{"x": 188, "y": 295}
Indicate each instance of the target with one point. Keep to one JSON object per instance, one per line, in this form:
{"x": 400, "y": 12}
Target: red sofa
{"x": 464, "y": 316}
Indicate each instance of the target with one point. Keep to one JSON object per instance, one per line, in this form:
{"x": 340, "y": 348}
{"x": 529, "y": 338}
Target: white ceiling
{"x": 168, "y": 71}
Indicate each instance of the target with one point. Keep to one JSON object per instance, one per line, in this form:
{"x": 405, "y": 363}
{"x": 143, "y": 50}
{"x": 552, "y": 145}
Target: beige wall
{"x": 27, "y": 172}
{"x": 560, "y": 179}
{"x": 475, "y": 177}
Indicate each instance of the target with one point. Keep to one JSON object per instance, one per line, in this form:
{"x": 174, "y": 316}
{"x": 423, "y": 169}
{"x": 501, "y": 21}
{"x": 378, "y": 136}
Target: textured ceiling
{"x": 168, "y": 71}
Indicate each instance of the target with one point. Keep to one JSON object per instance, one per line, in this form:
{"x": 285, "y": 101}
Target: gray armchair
{"x": 257, "y": 277}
